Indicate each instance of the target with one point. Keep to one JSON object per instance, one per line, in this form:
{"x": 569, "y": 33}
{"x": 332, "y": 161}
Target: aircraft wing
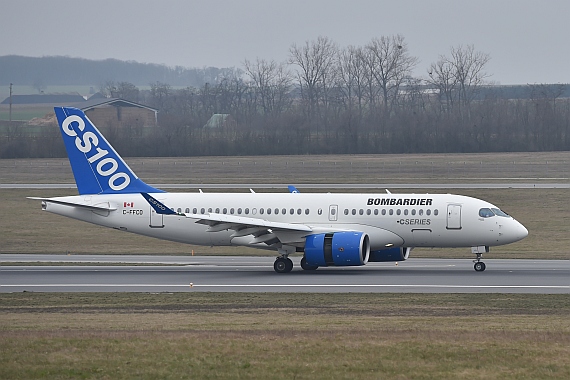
{"x": 263, "y": 231}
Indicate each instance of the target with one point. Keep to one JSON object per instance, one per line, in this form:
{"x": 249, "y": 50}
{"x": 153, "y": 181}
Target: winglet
{"x": 159, "y": 207}
{"x": 293, "y": 189}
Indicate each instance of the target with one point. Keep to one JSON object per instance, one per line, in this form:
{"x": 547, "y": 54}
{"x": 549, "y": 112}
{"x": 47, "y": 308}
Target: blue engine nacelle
{"x": 390, "y": 254}
{"x": 337, "y": 249}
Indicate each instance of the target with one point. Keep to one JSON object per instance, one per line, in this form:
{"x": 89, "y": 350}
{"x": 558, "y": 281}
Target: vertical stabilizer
{"x": 97, "y": 167}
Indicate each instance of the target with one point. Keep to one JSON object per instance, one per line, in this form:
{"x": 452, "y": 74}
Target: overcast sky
{"x": 527, "y": 40}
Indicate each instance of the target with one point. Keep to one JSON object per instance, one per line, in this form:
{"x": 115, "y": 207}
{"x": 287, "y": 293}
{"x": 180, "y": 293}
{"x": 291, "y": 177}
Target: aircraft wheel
{"x": 283, "y": 265}
{"x": 479, "y": 266}
{"x": 306, "y": 266}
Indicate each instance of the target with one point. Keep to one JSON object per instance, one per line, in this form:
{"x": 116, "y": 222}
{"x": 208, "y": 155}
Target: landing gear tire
{"x": 283, "y": 265}
{"x": 306, "y": 266}
{"x": 479, "y": 266}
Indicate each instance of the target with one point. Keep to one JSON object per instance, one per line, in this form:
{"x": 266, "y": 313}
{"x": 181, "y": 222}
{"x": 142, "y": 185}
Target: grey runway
{"x": 255, "y": 274}
{"x": 475, "y": 185}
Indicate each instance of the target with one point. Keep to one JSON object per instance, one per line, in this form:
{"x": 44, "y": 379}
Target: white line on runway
{"x": 291, "y": 286}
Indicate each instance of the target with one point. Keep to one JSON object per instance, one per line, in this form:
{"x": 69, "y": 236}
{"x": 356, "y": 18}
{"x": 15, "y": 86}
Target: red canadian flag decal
{"x": 128, "y": 204}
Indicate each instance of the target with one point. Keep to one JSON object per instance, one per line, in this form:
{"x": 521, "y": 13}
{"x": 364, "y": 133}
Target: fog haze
{"x": 525, "y": 39}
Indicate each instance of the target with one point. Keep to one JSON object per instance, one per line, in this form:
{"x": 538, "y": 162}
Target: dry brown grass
{"x": 216, "y": 335}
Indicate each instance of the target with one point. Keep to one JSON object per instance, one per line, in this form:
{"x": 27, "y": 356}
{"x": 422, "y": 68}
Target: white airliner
{"x": 329, "y": 229}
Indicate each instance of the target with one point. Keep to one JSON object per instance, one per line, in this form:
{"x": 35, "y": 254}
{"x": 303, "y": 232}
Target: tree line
{"x": 327, "y": 99}
{"x": 41, "y": 72}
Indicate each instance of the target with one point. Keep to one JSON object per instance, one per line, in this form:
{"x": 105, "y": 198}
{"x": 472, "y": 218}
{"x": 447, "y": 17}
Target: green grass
{"x": 24, "y": 112}
{"x": 220, "y": 335}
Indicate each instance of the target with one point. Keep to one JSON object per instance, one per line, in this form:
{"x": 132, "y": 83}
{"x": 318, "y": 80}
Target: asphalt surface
{"x": 514, "y": 185}
{"x": 255, "y": 274}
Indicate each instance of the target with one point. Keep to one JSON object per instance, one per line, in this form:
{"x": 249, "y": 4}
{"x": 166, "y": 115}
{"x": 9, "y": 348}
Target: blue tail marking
{"x": 159, "y": 207}
{"x": 97, "y": 167}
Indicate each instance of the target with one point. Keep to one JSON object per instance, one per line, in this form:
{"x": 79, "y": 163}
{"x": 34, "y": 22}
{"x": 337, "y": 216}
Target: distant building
{"x": 115, "y": 112}
{"x": 220, "y": 121}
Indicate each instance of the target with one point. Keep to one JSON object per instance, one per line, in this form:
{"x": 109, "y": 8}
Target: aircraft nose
{"x": 518, "y": 231}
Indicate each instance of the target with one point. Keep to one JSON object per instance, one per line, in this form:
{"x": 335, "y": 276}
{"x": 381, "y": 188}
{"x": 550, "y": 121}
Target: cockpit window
{"x": 500, "y": 212}
{"x": 486, "y": 213}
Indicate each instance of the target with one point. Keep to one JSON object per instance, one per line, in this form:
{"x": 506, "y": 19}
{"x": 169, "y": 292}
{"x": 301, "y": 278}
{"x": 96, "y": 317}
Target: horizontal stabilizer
{"x": 106, "y": 206}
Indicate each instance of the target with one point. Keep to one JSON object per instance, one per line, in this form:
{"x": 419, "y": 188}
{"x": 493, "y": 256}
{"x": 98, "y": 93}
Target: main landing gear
{"x": 306, "y": 266}
{"x": 283, "y": 265}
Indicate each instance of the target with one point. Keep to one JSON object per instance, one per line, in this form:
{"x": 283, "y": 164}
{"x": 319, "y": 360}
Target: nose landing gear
{"x": 479, "y": 265}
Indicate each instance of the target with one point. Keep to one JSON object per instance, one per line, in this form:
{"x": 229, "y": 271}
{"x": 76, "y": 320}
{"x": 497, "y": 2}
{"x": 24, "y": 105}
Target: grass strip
{"x": 263, "y": 335}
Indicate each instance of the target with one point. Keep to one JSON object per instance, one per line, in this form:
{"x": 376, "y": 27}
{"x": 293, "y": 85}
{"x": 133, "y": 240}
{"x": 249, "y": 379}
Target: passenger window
{"x": 232, "y": 210}
{"x": 353, "y": 211}
{"x": 276, "y": 211}
{"x": 428, "y": 212}
{"x": 202, "y": 210}
{"x": 246, "y": 211}
{"x": 398, "y": 212}
{"x": 320, "y": 211}
{"x": 421, "y": 212}
{"x": 299, "y": 211}
{"x": 361, "y": 212}
{"x": 268, "y": 211}
{"x": 406, "y": 212}
{"x": 291, "y": 211}
{"x": 306, "y": 211}
{"x": 194, "y": 210}
{"x": 210, "y": 209}
{"x": 383, "y": 212}
{"x": 435, "y": 212}
{"x": 368, "y": 211}
{"x": 486, "y": 213}
{"x": 375, "y": 211}
{"x": 391, "y": 212}
{"x": 179, "y": 210}
{"x": 283, "y": 211}
{"x": 253, "y": 211}
{"x": 345, "y": 211}
{"x": 187, "y": 211}
{"x": 225, "y": 211}
{"x": 261, "y": 211}
{"x": 239, "y": 211}
{"x": 414, "y": 212}
{"x": 217, "y": 210}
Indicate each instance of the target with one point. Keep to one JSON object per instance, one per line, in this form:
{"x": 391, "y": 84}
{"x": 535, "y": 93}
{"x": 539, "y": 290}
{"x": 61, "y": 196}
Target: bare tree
{"x": 272, "y": 82}
{"x": 159, "y": 96}
{"x": 442, "y": 77}
{"x": 390, "y": 64}
{"x": 127, "y": 91}
{"x": 459, "y": 78}
{"x": 315, "y": 61}
{"x": 469, "y": 68}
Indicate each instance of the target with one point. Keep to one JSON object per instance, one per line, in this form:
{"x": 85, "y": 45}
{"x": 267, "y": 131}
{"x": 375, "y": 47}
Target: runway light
{"x": 396, "y": 263}
{"x": 191, "y": 284}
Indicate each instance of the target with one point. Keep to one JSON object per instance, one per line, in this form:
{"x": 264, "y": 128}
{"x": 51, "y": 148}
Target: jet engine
{"x": 390, "y": 254}
{"x": 337, "y": 249}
